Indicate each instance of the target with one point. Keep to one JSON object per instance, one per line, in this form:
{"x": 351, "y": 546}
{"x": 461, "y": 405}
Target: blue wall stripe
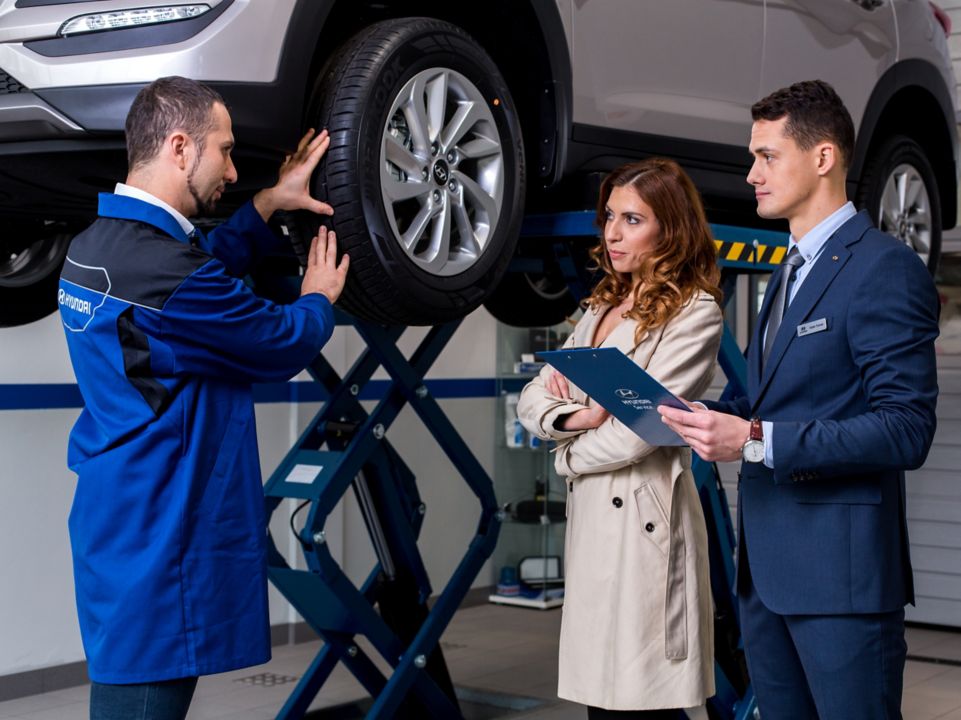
{"x": 59, "y": 396}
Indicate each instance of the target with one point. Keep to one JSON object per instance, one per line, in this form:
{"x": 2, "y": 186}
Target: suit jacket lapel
{"x": 829, "y": 264}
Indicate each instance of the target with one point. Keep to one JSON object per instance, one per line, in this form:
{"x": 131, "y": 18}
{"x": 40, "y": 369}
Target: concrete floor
{"x": 504, "y": 659}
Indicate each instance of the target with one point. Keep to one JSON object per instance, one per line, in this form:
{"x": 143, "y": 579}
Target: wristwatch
{"x": 753, "y": 450}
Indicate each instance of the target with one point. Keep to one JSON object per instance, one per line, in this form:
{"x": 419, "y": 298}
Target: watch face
{"x": 753, "y": 451}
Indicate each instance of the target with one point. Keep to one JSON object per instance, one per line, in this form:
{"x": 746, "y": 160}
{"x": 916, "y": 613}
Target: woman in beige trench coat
{"x": 637, "y": 626}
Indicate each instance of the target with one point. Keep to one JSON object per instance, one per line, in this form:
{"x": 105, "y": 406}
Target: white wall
{"x": 38, "y": 621}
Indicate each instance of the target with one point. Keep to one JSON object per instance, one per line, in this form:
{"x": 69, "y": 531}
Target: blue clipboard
{"x": 621, "y": 387}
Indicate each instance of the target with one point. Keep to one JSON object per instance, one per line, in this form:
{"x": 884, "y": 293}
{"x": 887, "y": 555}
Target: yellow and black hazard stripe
{"x": 745, "y": 252}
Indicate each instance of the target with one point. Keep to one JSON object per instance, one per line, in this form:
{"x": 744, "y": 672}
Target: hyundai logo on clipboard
{"x": 626, "y": 394}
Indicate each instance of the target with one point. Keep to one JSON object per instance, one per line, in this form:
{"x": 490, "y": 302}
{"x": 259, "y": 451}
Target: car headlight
{"x": 136, "y": 17}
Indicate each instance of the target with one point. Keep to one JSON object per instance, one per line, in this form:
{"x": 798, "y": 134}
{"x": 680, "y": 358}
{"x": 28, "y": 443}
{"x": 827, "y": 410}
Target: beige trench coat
{"x": 637, "y": 630}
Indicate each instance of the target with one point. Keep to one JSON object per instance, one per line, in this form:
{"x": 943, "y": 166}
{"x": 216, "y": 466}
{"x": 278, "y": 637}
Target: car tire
{"x": 899, "y": 190}
{"x": 425, "y": 170}
{"x": 30, "y": 270}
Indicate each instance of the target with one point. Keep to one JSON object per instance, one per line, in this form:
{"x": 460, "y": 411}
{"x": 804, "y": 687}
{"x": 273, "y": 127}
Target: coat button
{"x": 649, "y": 527}
{"x": 617, "y": 502}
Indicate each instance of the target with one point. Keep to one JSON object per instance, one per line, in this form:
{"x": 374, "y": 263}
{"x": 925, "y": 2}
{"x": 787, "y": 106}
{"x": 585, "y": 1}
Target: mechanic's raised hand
{"x": 714, "y": 436}
{"x": 323, "y": 274}
{"x": 292, "y": 191}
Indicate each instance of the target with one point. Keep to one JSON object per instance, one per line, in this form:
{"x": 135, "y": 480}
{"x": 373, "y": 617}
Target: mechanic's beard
{"x": 203, "y": 206}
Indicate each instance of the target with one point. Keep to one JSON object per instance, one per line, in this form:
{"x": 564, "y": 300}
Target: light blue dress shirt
{"x": 810, "y": 246}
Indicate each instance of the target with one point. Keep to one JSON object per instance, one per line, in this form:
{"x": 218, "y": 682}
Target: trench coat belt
{"x": 675, "y": 602}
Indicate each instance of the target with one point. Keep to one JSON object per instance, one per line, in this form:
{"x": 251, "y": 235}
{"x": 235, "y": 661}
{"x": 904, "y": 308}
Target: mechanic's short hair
{"x": 164, "y": 106}
{"x": 814, "y": 112}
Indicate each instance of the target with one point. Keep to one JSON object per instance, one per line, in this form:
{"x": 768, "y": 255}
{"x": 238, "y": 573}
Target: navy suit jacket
{"x": 853, "y": 407}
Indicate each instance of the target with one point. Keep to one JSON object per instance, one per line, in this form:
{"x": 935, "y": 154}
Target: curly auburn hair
{"x": 684, "y": 258}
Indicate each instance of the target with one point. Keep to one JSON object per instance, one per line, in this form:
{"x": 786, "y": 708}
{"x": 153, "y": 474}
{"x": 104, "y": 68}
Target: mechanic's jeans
{"x": 148, "y": 701}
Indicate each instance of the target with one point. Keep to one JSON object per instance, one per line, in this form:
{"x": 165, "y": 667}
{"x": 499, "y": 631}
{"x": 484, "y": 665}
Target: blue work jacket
{"x": 167, "y": 526}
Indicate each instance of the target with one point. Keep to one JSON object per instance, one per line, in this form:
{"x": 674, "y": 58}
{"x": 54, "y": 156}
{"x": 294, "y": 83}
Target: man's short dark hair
{"x": 164, "y": 106}
{"x": 814, "y": 112}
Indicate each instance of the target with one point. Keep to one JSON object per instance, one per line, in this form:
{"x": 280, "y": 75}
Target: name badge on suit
{"x": 812, "y": 327}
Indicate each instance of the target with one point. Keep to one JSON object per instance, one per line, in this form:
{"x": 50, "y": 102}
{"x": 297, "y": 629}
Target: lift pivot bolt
{"x": 320, "y": 537}
{"x": 355, "y": 389}
{"x": 379, "y": 431}
{"x": 352, "y": 651}
{"x": 421, "y": 391}
{"x": 420, "y": 661}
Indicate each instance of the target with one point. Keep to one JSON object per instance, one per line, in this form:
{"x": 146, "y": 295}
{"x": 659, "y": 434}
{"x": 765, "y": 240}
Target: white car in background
{"x": 447, "y": 119}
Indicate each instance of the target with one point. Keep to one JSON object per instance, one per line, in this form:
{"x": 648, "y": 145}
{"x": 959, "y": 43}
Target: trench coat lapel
{"x": 622, "y": 337}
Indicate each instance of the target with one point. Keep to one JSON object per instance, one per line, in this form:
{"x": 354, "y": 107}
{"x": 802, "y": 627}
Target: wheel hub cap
{"x": 441, "y": 172}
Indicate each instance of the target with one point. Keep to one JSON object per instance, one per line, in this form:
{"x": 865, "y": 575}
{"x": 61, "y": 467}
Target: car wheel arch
{"x": 911, "y": 99}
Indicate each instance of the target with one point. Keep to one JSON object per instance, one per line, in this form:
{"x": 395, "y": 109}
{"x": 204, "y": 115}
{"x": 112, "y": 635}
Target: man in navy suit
{"x": 841, "y": 397}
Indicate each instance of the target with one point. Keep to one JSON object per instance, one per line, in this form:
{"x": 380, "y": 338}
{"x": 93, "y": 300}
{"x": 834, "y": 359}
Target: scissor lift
{"x": 345, "y": 447}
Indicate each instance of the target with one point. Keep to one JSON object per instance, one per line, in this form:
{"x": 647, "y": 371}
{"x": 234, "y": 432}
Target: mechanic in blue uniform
{"x": 168, "y": 527}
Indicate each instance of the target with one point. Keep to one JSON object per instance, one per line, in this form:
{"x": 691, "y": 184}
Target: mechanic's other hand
{"x": 292, "y": 191}
{"x": 323, "y": 274}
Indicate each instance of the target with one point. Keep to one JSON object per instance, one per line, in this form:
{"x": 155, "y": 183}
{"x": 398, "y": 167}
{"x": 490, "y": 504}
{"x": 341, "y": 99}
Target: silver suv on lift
{"x": 447, "y": 119}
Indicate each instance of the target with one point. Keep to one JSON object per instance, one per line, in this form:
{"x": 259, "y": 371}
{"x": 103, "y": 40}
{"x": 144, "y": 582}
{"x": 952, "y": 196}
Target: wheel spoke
{"x": 479, "y": 147}
{"x": 417, "y": 227}
{"x": 478, "y": 196}
{"x": 902, "y": 184}
{"x": 914, "y": 188}
{"x": 465, "y": 117}
{"x": 440, "y": 238}
{"x": 398, "y": 190}
{"x": 918, "y": 216}
{"x": 415, "y": 113}
{"x": 920, "y": 241}
{"x": 436, "y": 105}
{"x": 468, "y": 240}
{"x": 398, "y": 154}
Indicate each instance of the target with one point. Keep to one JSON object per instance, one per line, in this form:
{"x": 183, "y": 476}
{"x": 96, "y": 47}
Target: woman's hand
{"x": 584, "y": 419}
{"x": 558, "y": 386}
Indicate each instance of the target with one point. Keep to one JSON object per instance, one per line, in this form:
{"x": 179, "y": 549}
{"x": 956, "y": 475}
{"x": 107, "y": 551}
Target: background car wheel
{"x": 541, "y": 295}
{"x": 899, "y": 190}
{"x": 31, "y": 255}
{"x": 531, "y": 300}
{"x": 425, "y": 170}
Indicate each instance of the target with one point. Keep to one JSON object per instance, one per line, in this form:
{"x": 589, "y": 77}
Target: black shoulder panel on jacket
{"x": 142, "y": 265}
